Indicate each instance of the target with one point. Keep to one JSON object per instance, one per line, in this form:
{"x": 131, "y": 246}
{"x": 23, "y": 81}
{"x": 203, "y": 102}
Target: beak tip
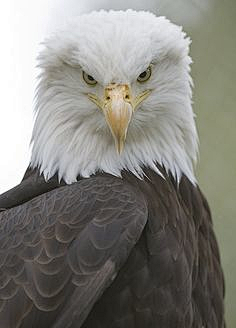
{"x": 120, "y": 149}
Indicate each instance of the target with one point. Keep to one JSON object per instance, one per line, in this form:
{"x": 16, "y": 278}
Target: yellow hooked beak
{"x": 118, "y": 107}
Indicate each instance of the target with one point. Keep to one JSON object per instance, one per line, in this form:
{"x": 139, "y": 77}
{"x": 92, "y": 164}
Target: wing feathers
{"x": 82, "y": 300}
{"x": 66, "y": 247}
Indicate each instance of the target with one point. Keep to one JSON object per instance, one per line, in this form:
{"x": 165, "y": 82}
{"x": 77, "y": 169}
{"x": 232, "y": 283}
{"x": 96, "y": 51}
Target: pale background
{"x": 212, "y": 27}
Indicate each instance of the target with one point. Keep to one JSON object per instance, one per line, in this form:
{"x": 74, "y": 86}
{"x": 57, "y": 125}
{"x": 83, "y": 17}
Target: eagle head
{"x": 114, "y": 94}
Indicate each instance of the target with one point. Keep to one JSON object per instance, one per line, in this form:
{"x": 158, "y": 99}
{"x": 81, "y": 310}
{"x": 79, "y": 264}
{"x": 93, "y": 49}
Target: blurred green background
{"x": 214, "y": 73}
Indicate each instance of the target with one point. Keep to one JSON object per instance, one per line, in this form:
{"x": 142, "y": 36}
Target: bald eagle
{"x": 108, "y": 227}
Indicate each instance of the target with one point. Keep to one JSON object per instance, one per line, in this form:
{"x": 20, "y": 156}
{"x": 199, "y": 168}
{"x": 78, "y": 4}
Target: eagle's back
{"x": 172, "y": 277}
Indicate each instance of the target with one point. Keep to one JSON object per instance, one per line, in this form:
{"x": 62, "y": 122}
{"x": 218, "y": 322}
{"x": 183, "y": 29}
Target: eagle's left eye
{"x": 89, "y": 79}
{"x": 144, "y": 76}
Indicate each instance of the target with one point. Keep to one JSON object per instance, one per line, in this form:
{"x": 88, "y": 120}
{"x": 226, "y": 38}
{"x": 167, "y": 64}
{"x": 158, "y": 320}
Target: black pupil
{"x": 90, "y": 78}
{"x": 143, "y": 75}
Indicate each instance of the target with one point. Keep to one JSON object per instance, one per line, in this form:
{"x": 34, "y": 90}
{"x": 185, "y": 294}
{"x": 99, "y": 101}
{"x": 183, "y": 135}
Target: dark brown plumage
{"x": 109, "y": 252}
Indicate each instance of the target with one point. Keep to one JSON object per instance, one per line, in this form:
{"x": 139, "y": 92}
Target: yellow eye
{"x": 89, "y": 79}
{"x": 144, "y": 76}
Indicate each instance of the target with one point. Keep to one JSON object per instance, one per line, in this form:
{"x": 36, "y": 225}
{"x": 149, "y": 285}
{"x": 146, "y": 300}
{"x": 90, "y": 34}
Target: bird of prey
{"x": 108, "y": 227}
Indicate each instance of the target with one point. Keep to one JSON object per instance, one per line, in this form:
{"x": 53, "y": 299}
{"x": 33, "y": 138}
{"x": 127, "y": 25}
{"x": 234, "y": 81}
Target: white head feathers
{"x": 70, "y": 135}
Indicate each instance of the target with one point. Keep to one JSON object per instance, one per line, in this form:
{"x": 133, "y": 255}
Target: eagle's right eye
{"x": 89, "y": 79}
